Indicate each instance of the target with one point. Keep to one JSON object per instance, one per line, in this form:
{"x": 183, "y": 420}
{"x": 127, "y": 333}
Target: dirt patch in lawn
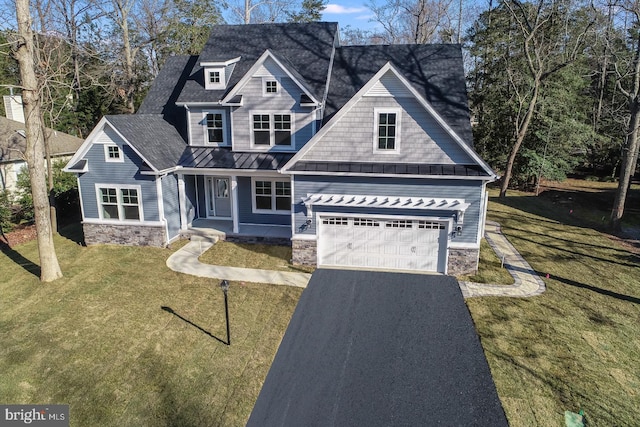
{"x": 18, "y": 236}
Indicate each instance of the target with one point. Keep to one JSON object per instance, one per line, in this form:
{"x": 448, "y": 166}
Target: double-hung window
{"x": 387, "y": 128}
{"x": 214, "y": 122}
{"x": 119, "y": 203}
{"x": 271, "y": 196}
{"x": 269, "y": 130}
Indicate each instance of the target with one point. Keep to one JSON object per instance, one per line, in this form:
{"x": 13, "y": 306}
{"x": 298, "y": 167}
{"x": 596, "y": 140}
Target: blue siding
{"x": 470, "y": 191}
{"x": 127, "y": 172}
{"x": 245, "y": 207}
{"x": 191, "y": 203}
{"x": 202, "y": 201}
{"x": 171, "y": 204}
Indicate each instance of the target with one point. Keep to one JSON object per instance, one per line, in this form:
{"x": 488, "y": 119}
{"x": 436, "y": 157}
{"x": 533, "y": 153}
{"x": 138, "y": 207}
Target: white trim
{"x": 127, "y": 222}
{"x": 463, "y": 245}
{"x": 391, "y": 202}
{"x": 221, "y": 84}
{"x": 256, "y": 66}
{"x": 356, "y": 98}
{"x": 304, "y": 237}
{"x": 272, "y": 131}
{"x": 208, "y": 143}
{"x": 108, "y": 158}
{"x": 376, "y": 119}
{"x": 80, "y": 197}
{"x": 90, "y": 141}
{"x": 273, "y": 196}
{"x": 235, "y": 208}
{"x": 182, "y": 201}
{"x": 266, "y": 79}
{"x": 120, "y": 205}
{"x": 160, "y": 199}
{"x": 293, "y": 211}
{"x": 389, "y": 216}
{"x": 219, "y": 63}
{"x": 189, "y": 135}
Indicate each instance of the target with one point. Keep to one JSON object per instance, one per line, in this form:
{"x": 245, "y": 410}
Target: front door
{"x": 218, "y": 197}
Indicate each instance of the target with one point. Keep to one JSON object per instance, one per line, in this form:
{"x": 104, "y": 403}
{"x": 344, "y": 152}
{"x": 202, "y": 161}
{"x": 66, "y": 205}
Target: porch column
{"x": 234, "y": 204}
{"x": 182, "y": 199}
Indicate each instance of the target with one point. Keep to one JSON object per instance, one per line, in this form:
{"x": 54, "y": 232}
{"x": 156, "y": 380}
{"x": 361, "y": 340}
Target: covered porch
{"x": 223, "y": 230}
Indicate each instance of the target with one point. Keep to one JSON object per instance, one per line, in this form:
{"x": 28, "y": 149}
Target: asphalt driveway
{"x": 379, "y": 349}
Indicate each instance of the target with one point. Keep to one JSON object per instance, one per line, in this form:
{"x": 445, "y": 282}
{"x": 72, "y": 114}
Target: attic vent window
{"x": 214, "y": 77}
{"x": 270, "y": 87}
{"x": 112, "y": 153}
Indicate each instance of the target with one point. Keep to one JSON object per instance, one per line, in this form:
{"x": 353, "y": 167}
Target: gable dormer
{"x": 217, "y": 74}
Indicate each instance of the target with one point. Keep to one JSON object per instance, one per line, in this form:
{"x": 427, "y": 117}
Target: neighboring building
{"x": 13, "y": 144}
{"x": 362, "y": 156}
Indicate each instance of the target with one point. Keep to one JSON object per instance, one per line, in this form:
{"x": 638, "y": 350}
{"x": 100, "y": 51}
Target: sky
{"x": 349, "y": 12}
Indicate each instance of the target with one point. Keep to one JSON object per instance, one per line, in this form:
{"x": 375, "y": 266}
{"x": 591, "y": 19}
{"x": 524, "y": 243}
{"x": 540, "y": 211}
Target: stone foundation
{"x": 304, "y": 252}
{"x": 118, "y": 234}
{"x": 463, "y": 261}
{"x": 276, "y": 241}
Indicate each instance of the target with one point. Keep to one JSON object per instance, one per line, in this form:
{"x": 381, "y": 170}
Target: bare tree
{"x": 628, "y": 83}
{"x": 414, "y": 21}
{"x": 256, "y": 11}
{"x": 24, "y": 53}
{"x": 549, "y": 42}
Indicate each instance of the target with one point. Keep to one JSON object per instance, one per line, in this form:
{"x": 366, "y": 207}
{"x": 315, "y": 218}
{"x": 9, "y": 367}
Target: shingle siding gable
{"x": 422, "y": 139}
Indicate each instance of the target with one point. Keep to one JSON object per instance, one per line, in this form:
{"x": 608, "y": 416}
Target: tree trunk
{"x": 52, "y": 197}
{"x": 522, "y": 132}
{"x": 49, "y": 267}
{"x": 626, "y": 169}
{"x": 128, "y": 58}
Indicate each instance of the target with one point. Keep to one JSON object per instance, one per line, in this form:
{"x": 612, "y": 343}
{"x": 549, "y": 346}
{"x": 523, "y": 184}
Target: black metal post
{"x": 226, "y": 313}
{"x": 224, "y": 285}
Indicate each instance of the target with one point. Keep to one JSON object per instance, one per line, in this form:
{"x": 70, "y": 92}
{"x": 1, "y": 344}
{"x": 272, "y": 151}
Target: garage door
{"x": 390, "y": 244}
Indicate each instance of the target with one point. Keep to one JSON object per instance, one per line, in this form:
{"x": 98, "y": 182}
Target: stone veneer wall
{"x": 304, "y": 252}
{"x": 119, "y": 234}
{"x": 463, "y": 261}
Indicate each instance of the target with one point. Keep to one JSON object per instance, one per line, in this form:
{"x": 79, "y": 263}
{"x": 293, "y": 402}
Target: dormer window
{"x": 270, "y": 87}
{"x": 214, "y": 78}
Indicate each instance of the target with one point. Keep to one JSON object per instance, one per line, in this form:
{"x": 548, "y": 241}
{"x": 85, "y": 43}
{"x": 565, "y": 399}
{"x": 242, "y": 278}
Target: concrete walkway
{"x": 186, "y": 261}
{"x": 527, "y": 282}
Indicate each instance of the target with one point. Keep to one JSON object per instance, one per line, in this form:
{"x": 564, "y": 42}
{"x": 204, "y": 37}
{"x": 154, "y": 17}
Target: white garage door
{"x": 390, "y": 244}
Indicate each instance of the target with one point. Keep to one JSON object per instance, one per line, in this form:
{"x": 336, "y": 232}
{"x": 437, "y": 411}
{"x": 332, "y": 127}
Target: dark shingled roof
{"x": 370, "y": 348}
{"x": 390, "y": 168}
{"x": 306, "y": 46}
{"x": 162, "y": 97}
{"x": 157, "y": 140}
{"x": 435, "y": 71}
{"x": 224, "y": 158}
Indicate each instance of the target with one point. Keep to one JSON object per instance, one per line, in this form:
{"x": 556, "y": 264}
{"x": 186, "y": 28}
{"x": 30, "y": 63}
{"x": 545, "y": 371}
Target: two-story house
{"x": 360, "y": 156}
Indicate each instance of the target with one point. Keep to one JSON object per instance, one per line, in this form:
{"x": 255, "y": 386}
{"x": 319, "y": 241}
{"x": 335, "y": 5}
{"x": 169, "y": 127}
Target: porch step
{"x": 196, "y": 236}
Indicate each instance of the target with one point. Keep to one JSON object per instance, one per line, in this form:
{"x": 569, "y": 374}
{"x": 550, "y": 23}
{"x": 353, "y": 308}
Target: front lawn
{"x": 261, "y": 256}
{"x": 577, "y": 346}
{"x": 127, "y": 342}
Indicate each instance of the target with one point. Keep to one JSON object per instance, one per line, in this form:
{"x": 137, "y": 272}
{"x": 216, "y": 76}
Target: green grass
{"x": 490, "y": 268}
{"x": 99, "y": 339}
{"x": 577, "y": 345}
{"x": 266, "y": 257}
